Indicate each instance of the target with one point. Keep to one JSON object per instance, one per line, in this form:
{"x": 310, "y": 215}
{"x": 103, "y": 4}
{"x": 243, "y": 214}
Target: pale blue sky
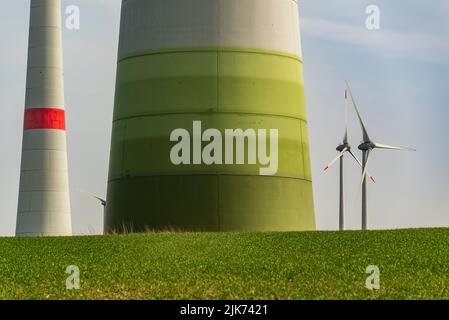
{"x": 399, "y": 74}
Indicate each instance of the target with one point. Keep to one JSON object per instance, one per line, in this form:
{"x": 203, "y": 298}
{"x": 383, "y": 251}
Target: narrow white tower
{"x": 44, "y": 204}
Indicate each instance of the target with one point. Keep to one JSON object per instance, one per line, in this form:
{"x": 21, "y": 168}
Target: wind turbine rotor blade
{"x": 93, "y": 195}
{"x": 390, "y": 147}
{"x": 364, "y": 174}
{"x": 345, "y": 138}
{"x": 335, "y": 160}
{"x": 360, "y": 164}
{"x": 98, "y": 198}
{"x": 355, "y": 158}
{"x": 365, "y": 170}
{"x": 365, "y": 132}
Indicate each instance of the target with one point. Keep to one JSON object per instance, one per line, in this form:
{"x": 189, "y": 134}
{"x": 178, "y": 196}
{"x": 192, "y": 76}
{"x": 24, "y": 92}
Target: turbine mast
{"x": 342, "y": 204}
{"x": 364, "y": 194}
{"x": 44, "y": 205}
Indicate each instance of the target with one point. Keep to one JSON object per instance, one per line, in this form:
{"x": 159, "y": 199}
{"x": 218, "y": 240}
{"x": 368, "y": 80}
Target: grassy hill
{"x": 414, "y": 264}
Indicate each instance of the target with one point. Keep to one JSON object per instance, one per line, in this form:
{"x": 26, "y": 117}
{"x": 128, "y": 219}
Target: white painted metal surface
{"x": 44, "y": 204}
{"x": 272, "y": 25}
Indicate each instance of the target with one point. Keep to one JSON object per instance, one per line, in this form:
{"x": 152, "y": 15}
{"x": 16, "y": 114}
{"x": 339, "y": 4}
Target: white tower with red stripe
{"x": 44, "y": 203}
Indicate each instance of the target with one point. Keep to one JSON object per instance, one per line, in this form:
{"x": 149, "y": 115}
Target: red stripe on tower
{"x": 44, "y": 118}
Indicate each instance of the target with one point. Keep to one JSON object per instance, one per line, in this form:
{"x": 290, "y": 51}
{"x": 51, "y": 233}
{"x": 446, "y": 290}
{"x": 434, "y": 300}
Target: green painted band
{"x": 210, "y": 203}
{"x": 207, "y": 82}
{"x": 142, "y": 146}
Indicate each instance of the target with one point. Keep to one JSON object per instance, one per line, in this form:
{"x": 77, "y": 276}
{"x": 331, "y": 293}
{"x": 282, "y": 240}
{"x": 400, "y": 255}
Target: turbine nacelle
{"x": 366, "y": 146}
{"x": 344, "y": 146}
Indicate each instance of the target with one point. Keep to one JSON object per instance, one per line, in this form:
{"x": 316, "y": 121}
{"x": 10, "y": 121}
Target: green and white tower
{"x": 209, "y": 67}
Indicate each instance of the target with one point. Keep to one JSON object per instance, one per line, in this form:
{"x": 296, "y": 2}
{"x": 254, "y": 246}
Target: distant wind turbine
{"x": 342, "y": 149}
{"x": 367, "y": 146}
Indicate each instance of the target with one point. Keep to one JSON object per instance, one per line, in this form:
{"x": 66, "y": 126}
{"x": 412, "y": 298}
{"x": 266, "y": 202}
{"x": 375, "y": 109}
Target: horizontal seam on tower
{"x": 47, "y": 27}
{"x": 209, "y": 113}
{"x": 211, "y": 50}
{"x": 209, "y": 174}
{"x": 45, "y": 47}
{"x": 44, "y": 67}
{"x": 43, "y": 170}
{"x": 43, "y": 149}
{"x": 44, "y": 87}
{"x": 53, "y": 191}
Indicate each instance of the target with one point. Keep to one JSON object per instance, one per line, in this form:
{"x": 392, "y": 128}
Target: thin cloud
{"x": 390, "y": 44}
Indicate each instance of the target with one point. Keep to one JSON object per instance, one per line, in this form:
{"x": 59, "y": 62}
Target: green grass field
{"x": 414, "y": 264}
